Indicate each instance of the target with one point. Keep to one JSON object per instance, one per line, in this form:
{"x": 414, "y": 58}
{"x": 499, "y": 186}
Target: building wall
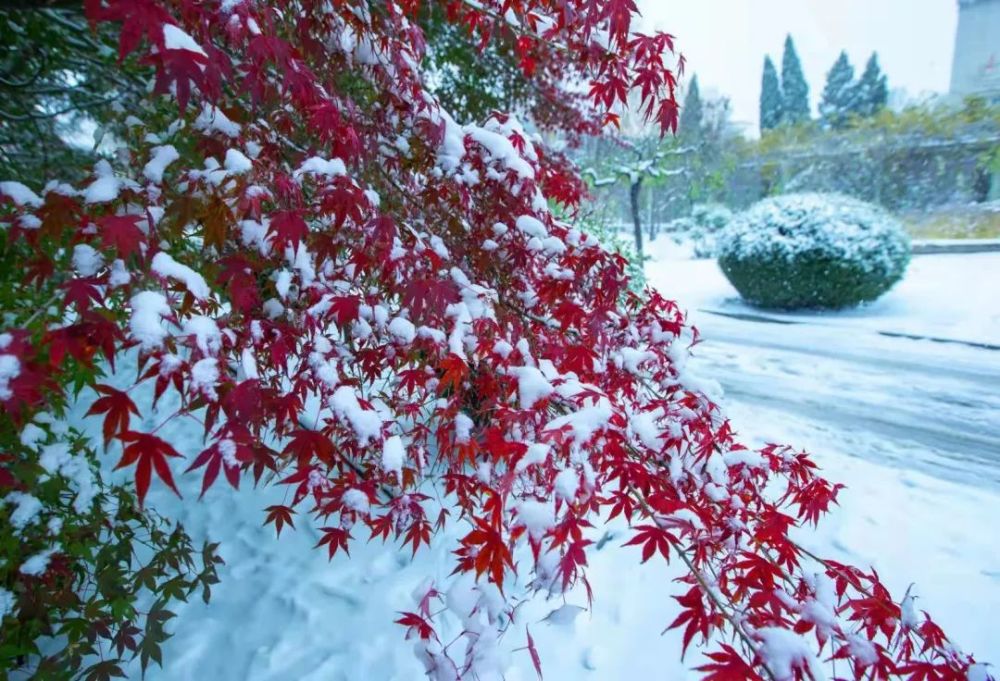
{"x": 976, "y": 68}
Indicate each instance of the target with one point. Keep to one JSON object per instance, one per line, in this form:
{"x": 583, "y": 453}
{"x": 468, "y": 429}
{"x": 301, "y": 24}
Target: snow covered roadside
{"x": 940, "y": 296}
{"x": 283, "y": 611}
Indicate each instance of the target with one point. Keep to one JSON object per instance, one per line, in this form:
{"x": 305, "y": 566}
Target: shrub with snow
{"x": 813, "y": 251}
{"x": 711, "y": 217}
{"x": 702, "y": 229}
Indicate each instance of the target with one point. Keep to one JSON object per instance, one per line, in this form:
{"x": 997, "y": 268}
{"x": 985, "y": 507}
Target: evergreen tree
{"x": 691, "y": 113}
{"x": 794, "y": 89}
{"x": 838, "y": 94}
{"x": 770, "y": 98}
{"x": 872, "y": 91}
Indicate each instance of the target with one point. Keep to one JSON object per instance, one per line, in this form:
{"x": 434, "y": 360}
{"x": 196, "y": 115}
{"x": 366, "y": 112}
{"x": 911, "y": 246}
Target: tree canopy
{"x": 771, "y": 99}
{"x": 794, "y": 88}
{"x": 348, "y": 289}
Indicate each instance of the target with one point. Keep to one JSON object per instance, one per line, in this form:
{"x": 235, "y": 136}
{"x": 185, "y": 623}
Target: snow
{"x": 584, "y": 422}
{"x": 503, "y": 349}
{"x": 119, "y": 275}
{"x": 320, "y": 166}
{"x": 102, "y": 190}
{"x": 402, "y": 330}
{"x": 87, "y": 261}
{"x": 145, "y": 325}
{"x": 643, "y": 424}
{"x": 393, "y": 455}
{"x": 237, "y": 163}
{"x": 537, "y": 453}
{"x": 838, "y": 227}
{"x": 365, "y": 422}
{"x": 205, "y": 376}
{"x": 501, "y": 150}
{"x": 463, "y": 428}
{"x": 532, "y": 386}
{"x": 57, "y": 459}
{"x": 564, "y": 615}
{"x": 918, "y": 509}
{"x": 164, "y": 265}
{"x": 7, "y": 602}
{"x": 531, "y": 226}
{"x": 538, "y": 517}
{"x": 631, "y": 358}
{"x": 174, "y": 38}
{"x": 567, "y": 484}
{"x": 27, "y": 509}
{"x": 10, "y": 368}
{"x": 784, "y": 652}
{"x": 37, "y": 564}
{"x": 208, "y": 338}
{"x": 162, "y": 157}
{"x": 934, "y": 299}
{"x": 20, "y": 194}
{"x": 212, "y": 119}
{"x": 356, "y": 500}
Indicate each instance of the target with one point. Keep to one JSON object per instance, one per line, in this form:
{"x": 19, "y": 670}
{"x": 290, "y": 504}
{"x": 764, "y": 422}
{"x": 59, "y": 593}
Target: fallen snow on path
{"x": 941, "y": 296}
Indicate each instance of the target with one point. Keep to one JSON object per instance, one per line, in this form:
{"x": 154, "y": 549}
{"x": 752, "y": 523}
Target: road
{"x": 939, "y": 402}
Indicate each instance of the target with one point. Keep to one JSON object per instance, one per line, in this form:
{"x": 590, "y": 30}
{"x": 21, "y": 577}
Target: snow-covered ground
{"x": 910, "y": 426}
{"x": 941, "y": 296}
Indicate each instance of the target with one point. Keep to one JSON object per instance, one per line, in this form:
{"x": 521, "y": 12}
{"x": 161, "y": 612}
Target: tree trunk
{"x": 636, "y": 218}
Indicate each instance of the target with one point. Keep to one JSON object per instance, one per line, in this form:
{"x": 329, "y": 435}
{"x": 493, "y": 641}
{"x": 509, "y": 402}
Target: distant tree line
{"x": 785, "y": 100}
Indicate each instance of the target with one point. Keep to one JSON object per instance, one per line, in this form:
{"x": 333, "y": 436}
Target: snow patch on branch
{"x": 145, "y": 326}
{"x": 174, "y": 38}
{"x": 366, "y": 423}
{"x": 164, "y": 265}
{"x": 20, "y": 194}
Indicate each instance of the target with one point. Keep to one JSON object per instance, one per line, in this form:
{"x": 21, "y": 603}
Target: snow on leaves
{"x": 374, "y": 304}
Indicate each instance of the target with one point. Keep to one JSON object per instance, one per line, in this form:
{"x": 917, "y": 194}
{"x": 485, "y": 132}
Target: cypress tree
{"x": 872, "y": 91}
{"x": 770, "y": 98}
{"x": 691, "y": 113}
{"x": 794, "y": 89}
{"x": 838, "y": 94}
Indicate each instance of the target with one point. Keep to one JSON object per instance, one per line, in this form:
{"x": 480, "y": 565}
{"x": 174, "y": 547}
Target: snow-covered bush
{"x": 701, "y": 229}
{"x": 813, "y": 251}
{"x": 711, "y": 217}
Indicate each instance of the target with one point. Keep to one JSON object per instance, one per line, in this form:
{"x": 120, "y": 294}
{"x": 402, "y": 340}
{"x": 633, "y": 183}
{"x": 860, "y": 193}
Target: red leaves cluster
{"x": 395, "y": 302}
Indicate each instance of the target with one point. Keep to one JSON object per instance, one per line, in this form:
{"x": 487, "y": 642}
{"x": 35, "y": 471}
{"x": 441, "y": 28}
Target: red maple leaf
{"x": 428, "y": 298}
{"x": 415, "y": 623}
{"x": 287, "y": 228}
{"x": 727, "y": 665}
{"x": 280, "y": 516}
{"x": 334, "y": 538}
{"x": 81, "y": 292}
{"x": 148, "y": 452}
{"x": 653, "y": 539}
{"x": 121, "y": 233}
{"x": 117, "y": 406}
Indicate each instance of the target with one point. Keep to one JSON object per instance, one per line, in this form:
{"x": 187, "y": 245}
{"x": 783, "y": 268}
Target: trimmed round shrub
{"x": 813, "y": 251}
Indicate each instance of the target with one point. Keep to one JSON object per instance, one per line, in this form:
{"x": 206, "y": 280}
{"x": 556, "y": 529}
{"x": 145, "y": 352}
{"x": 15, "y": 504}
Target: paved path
{"x": 940, "y": 399}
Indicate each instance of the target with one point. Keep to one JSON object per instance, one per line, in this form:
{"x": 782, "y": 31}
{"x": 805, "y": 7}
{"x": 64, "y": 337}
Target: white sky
{"x": 725, "y": 41}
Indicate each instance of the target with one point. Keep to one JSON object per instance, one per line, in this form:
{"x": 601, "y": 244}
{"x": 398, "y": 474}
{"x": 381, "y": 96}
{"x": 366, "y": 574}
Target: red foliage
{"x": 395, "y": 317}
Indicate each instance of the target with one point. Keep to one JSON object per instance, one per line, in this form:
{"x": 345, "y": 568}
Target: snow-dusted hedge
{"x": 702, "y": 228}
{"x": 813, "y": 251}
